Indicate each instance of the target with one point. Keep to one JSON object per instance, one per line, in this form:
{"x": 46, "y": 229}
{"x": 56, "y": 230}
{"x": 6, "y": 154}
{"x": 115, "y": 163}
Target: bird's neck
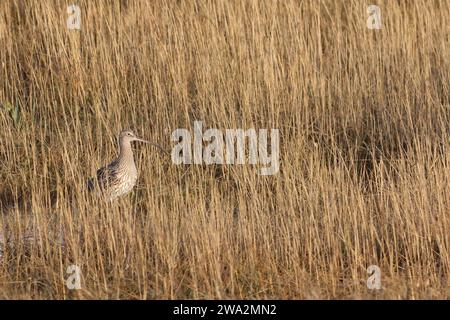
{"x": 125, "y": 152}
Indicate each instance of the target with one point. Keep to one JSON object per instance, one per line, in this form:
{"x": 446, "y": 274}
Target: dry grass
{"x": 364, "y": 125}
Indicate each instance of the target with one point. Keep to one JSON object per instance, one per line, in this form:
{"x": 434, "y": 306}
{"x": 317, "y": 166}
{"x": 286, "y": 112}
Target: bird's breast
{"x": 125, "y": 181}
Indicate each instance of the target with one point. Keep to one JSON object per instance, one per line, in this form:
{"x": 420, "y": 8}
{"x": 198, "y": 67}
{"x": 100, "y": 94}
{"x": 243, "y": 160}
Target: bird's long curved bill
{"x": 153, "y": 144}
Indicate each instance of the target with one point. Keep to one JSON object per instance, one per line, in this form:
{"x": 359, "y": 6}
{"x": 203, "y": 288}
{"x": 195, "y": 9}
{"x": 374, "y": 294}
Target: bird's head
{"x": 127, "y": 136}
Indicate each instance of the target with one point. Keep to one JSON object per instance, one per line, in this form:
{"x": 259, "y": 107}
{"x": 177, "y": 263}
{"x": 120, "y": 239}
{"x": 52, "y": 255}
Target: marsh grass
{"x": 364, "y": 125}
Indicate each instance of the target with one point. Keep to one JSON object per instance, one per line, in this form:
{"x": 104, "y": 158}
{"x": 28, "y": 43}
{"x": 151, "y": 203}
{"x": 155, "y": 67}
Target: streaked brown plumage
{"x": 119, "y": 177}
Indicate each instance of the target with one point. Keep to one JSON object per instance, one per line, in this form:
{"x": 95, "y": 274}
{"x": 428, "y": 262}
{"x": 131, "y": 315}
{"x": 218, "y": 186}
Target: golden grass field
{"x": 364, "y": 120}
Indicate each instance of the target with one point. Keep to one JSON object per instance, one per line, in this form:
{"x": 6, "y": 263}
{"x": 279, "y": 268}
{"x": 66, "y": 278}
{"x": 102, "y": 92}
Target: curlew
{"x": 119, "y": 177}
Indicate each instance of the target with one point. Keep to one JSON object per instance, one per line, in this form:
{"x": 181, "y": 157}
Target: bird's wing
{"x": 106, "y": 176}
